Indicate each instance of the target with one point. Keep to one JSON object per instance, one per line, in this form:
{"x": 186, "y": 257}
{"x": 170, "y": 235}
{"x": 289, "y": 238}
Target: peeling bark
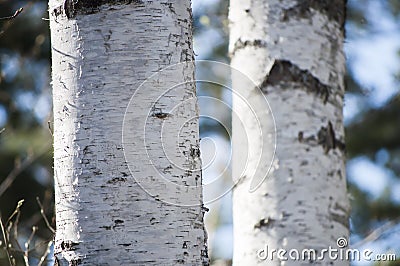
{"x": 284, "y": 72}
{"x": 333, "y": 9}
{"x": 71, "y": 8}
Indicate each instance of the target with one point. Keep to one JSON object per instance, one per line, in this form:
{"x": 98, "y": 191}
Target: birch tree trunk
{"x": 102, "y": 51}
{"x": 293, "y": 52}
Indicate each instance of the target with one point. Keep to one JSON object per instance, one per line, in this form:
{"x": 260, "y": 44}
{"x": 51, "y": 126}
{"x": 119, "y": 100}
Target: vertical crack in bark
{"x": 324, "y": 137}
{"x": 284, "y": 71}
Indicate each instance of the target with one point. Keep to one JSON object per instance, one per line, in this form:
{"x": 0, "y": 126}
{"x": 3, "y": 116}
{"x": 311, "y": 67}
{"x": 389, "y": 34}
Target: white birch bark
{"x": 293, "y": 51}
{"x": 101, "y": 52}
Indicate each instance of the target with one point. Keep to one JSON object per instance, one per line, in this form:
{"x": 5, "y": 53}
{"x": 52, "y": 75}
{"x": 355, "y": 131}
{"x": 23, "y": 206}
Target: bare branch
{"x": 27, "y": 243}
{"x": 7, "y": 246}
{"x": 50, "y": 129}
{"x": 43, "y": 258}
{"x": 377, "y": 233}
{"x": 44, "y": 216}
{"x": 19, "y": 10}
{"x": 16, "y": 211}
{"x": 19, "y": 168}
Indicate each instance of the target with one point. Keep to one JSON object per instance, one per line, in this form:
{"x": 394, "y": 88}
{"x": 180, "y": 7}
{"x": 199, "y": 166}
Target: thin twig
{"x": 44, "y": 216}
{"x": 44, "y": 257}
{"x": 2, "y": 130}
{"x": 374, "y": 235}
{"x": 3, "y": 231}
{"x": 16, "y": 211}
{"x": 50, "y": 129}
{"x": 10, "y": 225}
{"x": 16, "y": 222}
{"x": 10, "y": 19}
{"x": 19, "y": 168}
{"x": 40, "y": 244}
{"x": 27, "y": 243}
{"x": 19, "y": 10}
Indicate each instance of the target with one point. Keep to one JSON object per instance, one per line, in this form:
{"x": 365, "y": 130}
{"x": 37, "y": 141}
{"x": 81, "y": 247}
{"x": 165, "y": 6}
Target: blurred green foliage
{"x": 375, "y": 130}
{"x": 25, "y": 143}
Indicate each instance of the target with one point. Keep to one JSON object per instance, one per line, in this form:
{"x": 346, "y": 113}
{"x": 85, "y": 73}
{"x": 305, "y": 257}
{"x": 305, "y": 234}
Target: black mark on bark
{"x": 57, "y": 11}
{"x": 204, "y": 254}
{"x": 310, "y": 140}
{"x": 284, "y": 71}
{"x": 116, "y": 180}
{"x": 161, "y": 115}
{"x": 158, "y": 112}
{"x": 194, "y": 151}
{"x": 204, "y": 209}
{"x": 324, "y": 137}
{"x": 68, "y": 245}
{"x": 74, "y": 7}
{"x": 240, "y": 44}
{"x": 167, "y": 169}
{"x": 264, "y": 223}
{"x": 105, "y": 227}
{"x": 97, "y": 172}
{"x": 125, "y": 245}
{"x": 75, "y": 262}
{"x": 117, "y": 223}
{"x": 188, "y": 173}
{"x": 285, "y": 216}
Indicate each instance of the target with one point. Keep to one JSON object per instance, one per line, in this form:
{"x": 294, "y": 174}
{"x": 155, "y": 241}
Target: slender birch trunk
{"x": 101, "y": 53}
{"x": 293, "y": 50}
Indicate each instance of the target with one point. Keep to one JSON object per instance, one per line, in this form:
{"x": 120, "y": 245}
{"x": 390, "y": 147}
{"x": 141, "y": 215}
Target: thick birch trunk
{"x": 293, "y": 51}
{"x": 101, "y": 52}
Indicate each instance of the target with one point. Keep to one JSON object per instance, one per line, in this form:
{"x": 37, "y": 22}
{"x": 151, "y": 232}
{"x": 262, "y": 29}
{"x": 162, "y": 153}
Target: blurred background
{"x": 372, "y": 120}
